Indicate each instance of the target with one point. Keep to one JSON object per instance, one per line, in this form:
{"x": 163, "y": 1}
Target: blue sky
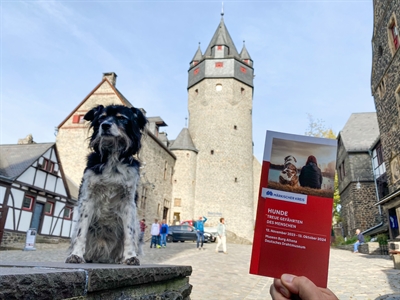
{"x": 309, "y": 57}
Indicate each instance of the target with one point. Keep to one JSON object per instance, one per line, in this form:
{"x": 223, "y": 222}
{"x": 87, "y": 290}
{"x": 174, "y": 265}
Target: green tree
{"x": 317, "y": 128}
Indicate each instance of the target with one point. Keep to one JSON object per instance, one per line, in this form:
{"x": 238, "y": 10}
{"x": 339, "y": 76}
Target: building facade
{"x": 385, "y": 87}
{"x": 218, "y": 174}
{"x": 155, "y": 189}
{"x": 34, "y": 193}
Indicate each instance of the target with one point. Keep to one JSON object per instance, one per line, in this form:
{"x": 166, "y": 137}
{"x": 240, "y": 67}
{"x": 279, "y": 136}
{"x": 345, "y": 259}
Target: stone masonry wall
{"x": 221, "y": 128}
{"x": 358, "y": 210}
{"x": 385, "y": 86}
{"x": 72, "y": 144}
{"x": 156, "y": 177}
{"x": 184, "y": 181}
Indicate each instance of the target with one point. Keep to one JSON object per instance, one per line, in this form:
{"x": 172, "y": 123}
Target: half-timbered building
{"x": 34, "y": 191}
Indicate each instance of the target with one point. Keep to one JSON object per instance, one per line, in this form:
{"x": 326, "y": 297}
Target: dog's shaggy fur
{"x": 107, "y": 228}
{"x": 289, "y": 173}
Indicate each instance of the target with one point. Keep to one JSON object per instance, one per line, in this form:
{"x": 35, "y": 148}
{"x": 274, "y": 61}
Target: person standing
{"x": 221, "y": 236}
{"x": 310, "y": 174}
{"x": 155, "y": 232}
{"x": 360, "y": 240}
{"x": 164, "y": 233}
{"x": 143, "y": 227}
{"x": 200, "y": 231}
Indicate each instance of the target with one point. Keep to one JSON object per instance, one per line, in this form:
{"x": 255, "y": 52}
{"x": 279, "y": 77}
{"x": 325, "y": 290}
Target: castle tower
{"x": 220, "y": 96}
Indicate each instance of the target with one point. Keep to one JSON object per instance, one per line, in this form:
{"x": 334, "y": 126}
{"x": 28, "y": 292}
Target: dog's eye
{"x": 101, "y": 118}
{"x": 121, "y": 118}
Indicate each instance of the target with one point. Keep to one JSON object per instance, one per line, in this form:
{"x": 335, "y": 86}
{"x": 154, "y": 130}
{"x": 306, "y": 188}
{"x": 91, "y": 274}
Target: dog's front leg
{"x": 79, "y": 242}
{"x": 130, "y": 236}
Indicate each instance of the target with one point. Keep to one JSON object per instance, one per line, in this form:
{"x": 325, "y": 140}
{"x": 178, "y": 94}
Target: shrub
{"x": 382, "y": 239}
{"x": 339, "y": 240}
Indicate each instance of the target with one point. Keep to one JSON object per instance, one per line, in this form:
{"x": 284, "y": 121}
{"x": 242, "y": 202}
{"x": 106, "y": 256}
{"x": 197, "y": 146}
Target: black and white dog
{"x": 107, "y": 229}
{"x": 288, "y": 175}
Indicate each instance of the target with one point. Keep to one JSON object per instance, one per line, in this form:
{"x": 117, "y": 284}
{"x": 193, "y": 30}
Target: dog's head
{"x": 116, "y": 128}
{"x": 290, "y": 159}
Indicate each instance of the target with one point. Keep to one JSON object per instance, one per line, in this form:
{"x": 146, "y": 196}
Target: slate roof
{"x": 183, "y": 141}
{"x": 198, "y": 55}
{"x": 15, "y": 159}
{"x": 222, "y": 37}
{"x": 244, "y": 54}
{"x": 360, "y": 131}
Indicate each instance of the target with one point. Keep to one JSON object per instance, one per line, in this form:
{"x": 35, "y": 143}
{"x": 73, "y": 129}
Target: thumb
{"x": 301, "y": 286}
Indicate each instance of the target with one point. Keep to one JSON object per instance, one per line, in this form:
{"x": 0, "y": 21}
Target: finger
{"x": 274, "y": 292}
{"x": 301, "y": 286}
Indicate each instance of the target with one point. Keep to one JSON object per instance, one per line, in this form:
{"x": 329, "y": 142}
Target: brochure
{"x": 294, "y": 215}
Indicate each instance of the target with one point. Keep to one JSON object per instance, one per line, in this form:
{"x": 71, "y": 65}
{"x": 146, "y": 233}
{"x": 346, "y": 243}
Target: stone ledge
{"x": 63, "y": 281}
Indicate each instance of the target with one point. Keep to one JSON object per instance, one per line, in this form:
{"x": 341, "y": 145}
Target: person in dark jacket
{"x": 310, "y": 175}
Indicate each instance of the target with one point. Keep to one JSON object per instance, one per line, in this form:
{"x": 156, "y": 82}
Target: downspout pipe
{"x": 377, "y": 196}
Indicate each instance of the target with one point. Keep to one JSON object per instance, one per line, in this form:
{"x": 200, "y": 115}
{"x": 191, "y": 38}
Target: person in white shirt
{"x": 221, "y": 236}
{"x": 155, "y": 232}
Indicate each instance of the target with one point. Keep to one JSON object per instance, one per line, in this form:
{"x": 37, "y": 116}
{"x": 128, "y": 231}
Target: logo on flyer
{"x": 284, "y": 196}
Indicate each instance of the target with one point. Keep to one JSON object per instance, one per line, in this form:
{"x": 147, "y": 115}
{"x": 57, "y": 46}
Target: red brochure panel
{"x": 294, "y": 214}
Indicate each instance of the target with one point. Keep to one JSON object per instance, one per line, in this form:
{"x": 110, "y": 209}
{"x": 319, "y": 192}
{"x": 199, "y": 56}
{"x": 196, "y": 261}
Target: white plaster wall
{"x": 27, "y": 176}
{"x": 66, "y": 229}
{"x": 18, "y": 198}
{"x": 25, "y": 220}
{"x": 60, "y": 188}
{"x": 51, "y": 183}
{"x": 2, "y": 194}
{"x": 46, "y": 225}
{"x": 40, "y": 179}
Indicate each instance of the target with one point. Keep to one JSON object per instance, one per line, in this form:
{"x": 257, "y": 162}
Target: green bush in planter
{"x": 382, "y": 239}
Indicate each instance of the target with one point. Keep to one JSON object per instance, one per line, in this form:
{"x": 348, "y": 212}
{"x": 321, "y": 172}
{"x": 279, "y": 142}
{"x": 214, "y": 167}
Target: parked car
{"x": 182, "y": 233}
{"x": 188, "y": 222}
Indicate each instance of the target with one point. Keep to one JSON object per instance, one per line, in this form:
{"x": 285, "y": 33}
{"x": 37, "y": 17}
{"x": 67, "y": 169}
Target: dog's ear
{"x": 92, "y": 113}
{"x": 140, "y": 119}
{"x": 295, "y": 160}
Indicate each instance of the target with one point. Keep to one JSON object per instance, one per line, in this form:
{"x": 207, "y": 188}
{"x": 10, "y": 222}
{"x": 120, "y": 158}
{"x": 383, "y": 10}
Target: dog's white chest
{"x": 116, "y": 182}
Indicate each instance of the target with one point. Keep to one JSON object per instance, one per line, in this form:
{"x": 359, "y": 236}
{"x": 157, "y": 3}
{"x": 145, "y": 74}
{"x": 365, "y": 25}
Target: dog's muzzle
{"x": 108, "y": 128}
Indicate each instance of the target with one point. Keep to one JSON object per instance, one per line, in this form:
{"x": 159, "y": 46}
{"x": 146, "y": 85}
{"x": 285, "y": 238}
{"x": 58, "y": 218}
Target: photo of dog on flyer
{"x": 301, "y": 167}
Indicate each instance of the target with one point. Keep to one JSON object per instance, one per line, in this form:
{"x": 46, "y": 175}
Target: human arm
{"x": 290, "y": 285}
{"x": 204, "y": 219}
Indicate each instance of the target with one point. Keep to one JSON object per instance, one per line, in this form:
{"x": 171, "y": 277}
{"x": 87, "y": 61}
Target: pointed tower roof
{"x": 198, "y": 56}
{"x": 244, "y": 54}
{"x": 184, "y": 142}
{"x": 222, "y": 37}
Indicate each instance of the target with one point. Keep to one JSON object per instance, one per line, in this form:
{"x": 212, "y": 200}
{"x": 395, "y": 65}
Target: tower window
{"x": 243, "y": 70}
{"x": 196, "y": 71}
{"x": 235, "y": 127}
{"x": 212, "y": 152}
{"x": 219, "y": 47}
{"x": 196, "y": 91}
{"x": 236, "y": 180}
{"x": 218, "y": 87}
{"x": 393, "y": 34}
{"x": 242, "y": 91}
{"x": 219, "y": 64}
{"x": 246, "y": 61}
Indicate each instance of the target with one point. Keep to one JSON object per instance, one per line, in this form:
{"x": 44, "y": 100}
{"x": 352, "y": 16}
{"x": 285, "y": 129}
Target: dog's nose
{"x": 105, "y": 126}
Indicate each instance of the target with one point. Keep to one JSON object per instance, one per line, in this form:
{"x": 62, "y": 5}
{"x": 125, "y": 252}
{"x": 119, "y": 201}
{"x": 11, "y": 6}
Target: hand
{"x": 302, "y": 287}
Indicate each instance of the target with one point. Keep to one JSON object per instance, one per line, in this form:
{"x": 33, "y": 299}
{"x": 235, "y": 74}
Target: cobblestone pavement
{"x": 226, "y": 276}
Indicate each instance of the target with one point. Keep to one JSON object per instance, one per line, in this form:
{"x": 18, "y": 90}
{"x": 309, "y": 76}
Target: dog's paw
{"x": 74, "y": 259}
{"x": 133, "y": 261}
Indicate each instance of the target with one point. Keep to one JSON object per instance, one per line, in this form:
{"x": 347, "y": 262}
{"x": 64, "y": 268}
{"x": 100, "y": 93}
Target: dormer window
{"x": 78, "y": 119}
{"x": 246, "y": 61}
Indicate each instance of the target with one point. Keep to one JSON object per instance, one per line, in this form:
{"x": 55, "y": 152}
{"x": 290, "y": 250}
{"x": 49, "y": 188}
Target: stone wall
{"x": 158, "y": 165}
{"x": 358, "y": 210}
{"x": 184, "y": 181}
{"x": 155, "y": 191}
{"x": 385, "y": 85}
{"x": 224, "y": 175}
{"x": 93, "y": 281}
